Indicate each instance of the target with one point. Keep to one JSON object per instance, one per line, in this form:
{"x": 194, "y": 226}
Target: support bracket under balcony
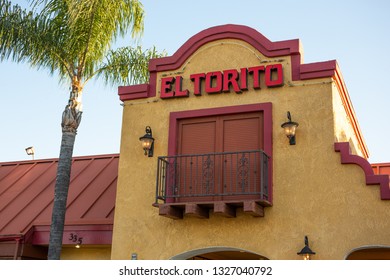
{"x": 202, "y": 210}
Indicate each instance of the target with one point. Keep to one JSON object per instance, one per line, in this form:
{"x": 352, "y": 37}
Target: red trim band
{"x": 91, "y": 234}
{"x": 371, "y": 178}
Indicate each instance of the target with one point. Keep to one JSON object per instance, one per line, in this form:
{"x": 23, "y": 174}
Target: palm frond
{"x": 32, "y": 38}
{"x": 98, "y": 23}
{"x": 73, "y": 37}
{"x": 127, "y": 65}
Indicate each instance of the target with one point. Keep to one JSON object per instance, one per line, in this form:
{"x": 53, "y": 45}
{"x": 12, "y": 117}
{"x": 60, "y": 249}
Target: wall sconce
{"x": 78, "y": 245}
{"x": 306, "y": 252}
{"x": 289, "y": 128}
{"x": 30, "y": 151}
{"x": 147, "y": 142}
{"x": 79, "y": 242}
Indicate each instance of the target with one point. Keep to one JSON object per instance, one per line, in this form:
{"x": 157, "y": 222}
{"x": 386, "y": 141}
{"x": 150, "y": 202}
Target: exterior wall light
{"x": 147, "y": 142}
{"x": 289, "y": 128}
{"x": 306, "y": 252}
{"x": 78, "y": 245}
{"x": 79, "y": 242}
{"x": 76, "y": 239}
{"x": 30, "y": 151}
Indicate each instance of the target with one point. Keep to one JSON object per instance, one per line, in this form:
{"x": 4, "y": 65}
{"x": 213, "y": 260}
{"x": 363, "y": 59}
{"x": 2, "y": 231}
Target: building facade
{"x": 224, "y": 181}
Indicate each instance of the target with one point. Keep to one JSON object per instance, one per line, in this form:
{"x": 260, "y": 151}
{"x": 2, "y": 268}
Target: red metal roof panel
{"x": 27, "y": 191}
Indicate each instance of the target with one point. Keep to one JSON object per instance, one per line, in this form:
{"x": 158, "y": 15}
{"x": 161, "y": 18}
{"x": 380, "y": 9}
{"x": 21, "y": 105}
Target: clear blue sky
{"x": 354, "y": 32}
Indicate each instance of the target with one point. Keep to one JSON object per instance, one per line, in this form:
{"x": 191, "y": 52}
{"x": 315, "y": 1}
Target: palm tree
{"x": 72, "y": 39}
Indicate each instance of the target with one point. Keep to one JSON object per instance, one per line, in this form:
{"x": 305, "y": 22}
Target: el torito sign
{"x": 223, "y": 81}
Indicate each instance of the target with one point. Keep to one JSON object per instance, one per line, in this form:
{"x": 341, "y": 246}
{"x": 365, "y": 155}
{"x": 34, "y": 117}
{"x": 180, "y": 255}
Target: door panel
{"x": 197, "y": 136}
{"x": 196, "y": 174}
{"x": 241, "y": 172}
{"x": 242, "y": 132}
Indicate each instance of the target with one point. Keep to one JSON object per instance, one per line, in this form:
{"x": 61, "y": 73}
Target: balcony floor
{"x": 179, "y": 210}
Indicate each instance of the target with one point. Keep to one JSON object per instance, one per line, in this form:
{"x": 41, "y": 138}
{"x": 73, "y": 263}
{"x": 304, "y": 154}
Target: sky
{"x": 353, "y": 32}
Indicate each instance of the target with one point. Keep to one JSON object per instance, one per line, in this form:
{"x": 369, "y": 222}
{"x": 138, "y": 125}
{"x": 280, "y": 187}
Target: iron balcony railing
{"x": 207, "y": 177}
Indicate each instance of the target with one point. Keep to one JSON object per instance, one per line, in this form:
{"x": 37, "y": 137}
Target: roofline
{"x": 56, "y": 159}
{"x": 380, "y": 164}
{"x": 350, "y": 111}
{"x": 383, "y": 180}
{"x": 11, "y": 237}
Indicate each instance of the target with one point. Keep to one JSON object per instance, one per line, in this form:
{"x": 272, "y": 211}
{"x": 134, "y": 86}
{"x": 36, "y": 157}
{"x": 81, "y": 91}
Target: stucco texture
{"x": 313, "y": 193}
{"x": 86, "y": 252}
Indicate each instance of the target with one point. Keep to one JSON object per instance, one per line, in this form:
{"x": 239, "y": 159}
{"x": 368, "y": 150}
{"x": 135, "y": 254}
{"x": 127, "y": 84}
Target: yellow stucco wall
{"x": 86, "y": 252}
{"x": 313, "y": 194}
{"x": 343, "y": 129}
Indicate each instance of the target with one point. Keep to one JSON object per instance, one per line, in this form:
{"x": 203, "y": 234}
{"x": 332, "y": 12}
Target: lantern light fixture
{"x": 147, "y": 142}
{"x": 289, "y": 129}
{"x": 306, "y": 252}
{"x": 30, "y": 151}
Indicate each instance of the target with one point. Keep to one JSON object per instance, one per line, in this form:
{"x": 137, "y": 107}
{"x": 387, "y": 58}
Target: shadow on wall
{"x": 219, "y": 253}
{"x": 370, "y": 253}
{"x": 342, "y": 137}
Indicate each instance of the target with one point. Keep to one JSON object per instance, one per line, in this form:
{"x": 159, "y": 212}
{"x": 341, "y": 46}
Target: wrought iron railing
{"x": 207, "y": 177}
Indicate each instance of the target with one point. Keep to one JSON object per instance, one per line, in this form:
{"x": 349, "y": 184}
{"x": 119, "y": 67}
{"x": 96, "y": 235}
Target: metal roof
{"x": 27, "y": 192}
{"x": 381, "y": 168}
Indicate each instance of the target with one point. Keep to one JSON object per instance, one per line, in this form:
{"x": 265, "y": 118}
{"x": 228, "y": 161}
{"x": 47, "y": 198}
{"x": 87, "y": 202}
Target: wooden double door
{"x": 214, "y": 162}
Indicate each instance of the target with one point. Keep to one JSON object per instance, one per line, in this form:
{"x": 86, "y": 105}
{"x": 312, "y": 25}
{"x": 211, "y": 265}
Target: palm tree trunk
{"x": 61, "y": 195}
{"x": 71, "y": 118}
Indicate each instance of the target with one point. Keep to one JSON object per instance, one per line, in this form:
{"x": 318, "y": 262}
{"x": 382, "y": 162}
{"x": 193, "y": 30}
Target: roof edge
{"x": 350, "y": 111}
{"x": 56, "y": 159}
{"x": 371, "y": 179}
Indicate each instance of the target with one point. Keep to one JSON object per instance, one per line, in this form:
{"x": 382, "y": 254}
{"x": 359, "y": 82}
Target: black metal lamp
{"x": 30, "y": 151}
{"x": 289, "y": 128}
{"x": 147, "y": 142}
{"x": 306, "y": 252}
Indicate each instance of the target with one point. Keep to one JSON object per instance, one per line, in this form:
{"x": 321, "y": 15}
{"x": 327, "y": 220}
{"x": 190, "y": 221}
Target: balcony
{"x": 193, "y": 185}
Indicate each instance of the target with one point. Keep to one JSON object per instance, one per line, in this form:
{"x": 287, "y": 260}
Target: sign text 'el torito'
{"x": 223, "y": 81}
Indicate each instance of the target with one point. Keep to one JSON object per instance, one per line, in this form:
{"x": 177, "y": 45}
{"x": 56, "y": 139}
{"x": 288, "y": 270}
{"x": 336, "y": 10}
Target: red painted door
{"x": 241, "y": 169}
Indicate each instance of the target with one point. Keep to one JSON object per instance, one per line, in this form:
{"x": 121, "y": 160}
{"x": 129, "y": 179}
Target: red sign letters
{"x": 223, "y": 81}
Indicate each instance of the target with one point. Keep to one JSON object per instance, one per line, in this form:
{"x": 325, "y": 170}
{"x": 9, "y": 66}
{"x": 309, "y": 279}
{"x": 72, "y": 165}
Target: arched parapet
{"x": 246, "y": 34}
{"x": 371, "y": 179}
{"x": 228, "y": 31}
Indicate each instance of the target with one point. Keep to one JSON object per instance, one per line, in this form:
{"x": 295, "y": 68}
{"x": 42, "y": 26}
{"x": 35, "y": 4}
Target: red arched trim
{"x": 230, "y": 31}
{"x": 371, "y": 178}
